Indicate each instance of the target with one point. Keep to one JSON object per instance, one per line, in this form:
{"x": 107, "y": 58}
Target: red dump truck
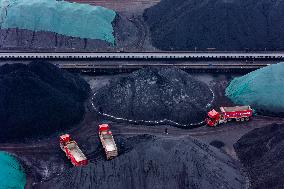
{"x": 238, "y": 113}
{"x": 107, "y": 141}
{"x": 72, "y": 151}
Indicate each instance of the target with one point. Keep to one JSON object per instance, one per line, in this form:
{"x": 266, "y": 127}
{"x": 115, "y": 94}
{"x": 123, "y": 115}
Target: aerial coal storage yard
{"x": 144, "y": 94}
{"x": 147, "y": 155}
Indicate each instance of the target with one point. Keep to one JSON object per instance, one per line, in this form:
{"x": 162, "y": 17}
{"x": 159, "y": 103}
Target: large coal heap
{"x": 220, "y": 24}
{"x": 39, "y": 98}
{"x": 155, "y": 163}
{"x": 262, "y": 153}
{"x": 155, "y": 94}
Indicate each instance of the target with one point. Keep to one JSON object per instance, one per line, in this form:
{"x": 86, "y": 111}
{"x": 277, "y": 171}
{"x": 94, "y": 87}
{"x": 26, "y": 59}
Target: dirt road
{"x": 132, "y": 6}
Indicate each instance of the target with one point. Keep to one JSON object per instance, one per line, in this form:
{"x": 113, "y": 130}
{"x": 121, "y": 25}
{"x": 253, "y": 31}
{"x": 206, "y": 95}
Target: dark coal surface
{"x": 217, "y": 143}
{"x": 154, "y": 162}
{"x": 155, "y": 94}
{"x": 39, "y": 98}
{"x": 220, "y": 24}
{"x": 262, "y": 153}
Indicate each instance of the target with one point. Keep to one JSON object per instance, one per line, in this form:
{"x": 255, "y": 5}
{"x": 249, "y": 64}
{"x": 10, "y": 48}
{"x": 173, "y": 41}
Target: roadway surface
{"x": 117, "y": 67}
{"x": 121, "y": 5}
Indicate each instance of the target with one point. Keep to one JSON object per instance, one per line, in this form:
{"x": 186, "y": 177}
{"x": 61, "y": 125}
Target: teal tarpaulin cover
{"x": 263, "y": 89}
{"x": 70, "y": 19}
{"x": 12, "y": 174}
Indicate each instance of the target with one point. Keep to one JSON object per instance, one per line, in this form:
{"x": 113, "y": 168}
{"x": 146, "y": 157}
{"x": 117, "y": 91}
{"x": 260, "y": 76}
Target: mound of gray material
{"x": 30, "y": 40}
{"x": 220, "y": 24}
{"x": 262, "y": 153}
{"x": 156, "y": 163}
{"x": 39, "y": 98}
{"x": 155, "y": 94}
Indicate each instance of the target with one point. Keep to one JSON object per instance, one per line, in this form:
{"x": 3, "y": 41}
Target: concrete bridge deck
{"x": 127, "y": 62}
{"x": 144, "y": 55}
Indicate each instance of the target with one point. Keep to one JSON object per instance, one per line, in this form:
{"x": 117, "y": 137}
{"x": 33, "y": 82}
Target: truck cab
{"x": 214, "y": 118}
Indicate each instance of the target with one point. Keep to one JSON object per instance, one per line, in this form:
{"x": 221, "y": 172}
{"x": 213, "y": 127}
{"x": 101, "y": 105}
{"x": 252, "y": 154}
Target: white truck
{"x": 107, "y": 141}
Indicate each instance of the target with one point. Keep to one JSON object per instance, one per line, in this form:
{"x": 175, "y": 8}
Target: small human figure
{"x": 100, "y": 110}
{"x": 166, "y": 131}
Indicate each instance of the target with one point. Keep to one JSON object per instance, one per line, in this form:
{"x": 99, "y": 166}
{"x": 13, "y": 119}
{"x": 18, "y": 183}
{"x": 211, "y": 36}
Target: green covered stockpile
{"x": 12, "y": 174}
{"x": 70, "y": 19}
{"x": 263, "y": 89}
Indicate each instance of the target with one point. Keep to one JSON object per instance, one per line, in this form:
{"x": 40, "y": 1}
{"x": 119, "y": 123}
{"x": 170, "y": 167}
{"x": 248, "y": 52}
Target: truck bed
{"x": 75, "y": 151}
{"x": 235, "y": 108}
{"x": 108, "y": 141}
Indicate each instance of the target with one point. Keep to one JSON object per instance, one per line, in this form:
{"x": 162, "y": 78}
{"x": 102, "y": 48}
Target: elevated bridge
{"x": 105, "y": 62}
{"x": 143, "y": 55}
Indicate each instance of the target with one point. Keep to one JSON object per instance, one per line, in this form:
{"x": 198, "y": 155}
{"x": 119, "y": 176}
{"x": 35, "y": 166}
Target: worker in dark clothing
{"x": 100, "y": 110}
{"x": 166, "y": 131}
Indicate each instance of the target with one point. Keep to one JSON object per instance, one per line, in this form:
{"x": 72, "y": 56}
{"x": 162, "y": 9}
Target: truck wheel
{"x": 247, "y": 118}
{"x": 242, "y": 119}
{"x": 215, "y": 124}
{"x": 229, "y": 119}
{"x": 225, "y": 121}
{"x": 237, "y": 119}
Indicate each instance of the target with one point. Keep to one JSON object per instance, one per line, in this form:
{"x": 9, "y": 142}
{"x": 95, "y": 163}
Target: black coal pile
{"x": 39, "y": 98}
{"x": 153, "y": 94}
{"x": 220, "y": 24}
{"x": 155, "y": 163}
{"x": 262, "y": 153}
